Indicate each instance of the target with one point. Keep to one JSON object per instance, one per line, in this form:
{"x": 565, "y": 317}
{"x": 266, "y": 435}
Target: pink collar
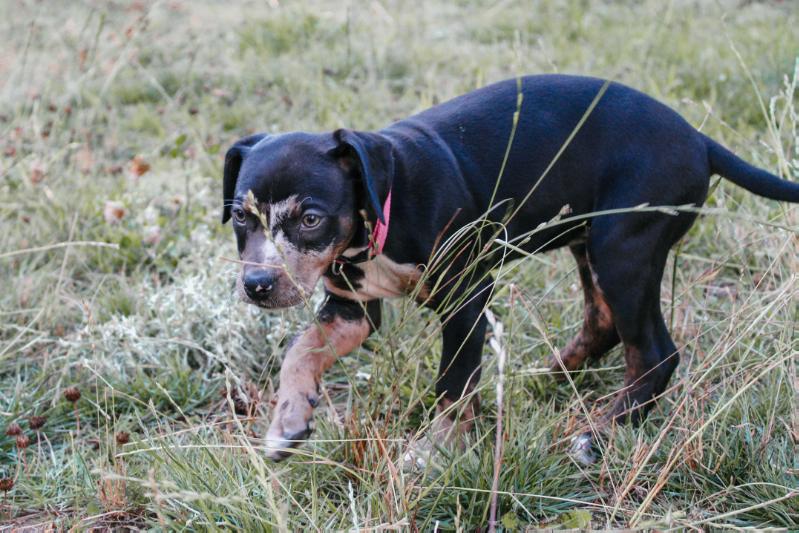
{"x": 380, "y": 232}
{"x": 377, "y": 241}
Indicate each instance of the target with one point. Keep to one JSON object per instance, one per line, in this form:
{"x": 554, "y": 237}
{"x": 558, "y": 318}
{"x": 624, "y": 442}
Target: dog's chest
{"x": 380, "y": 277}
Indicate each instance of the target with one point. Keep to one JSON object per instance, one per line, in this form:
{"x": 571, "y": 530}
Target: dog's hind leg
{"x": 598, "y": 333}
{"x": 629, "y": 254}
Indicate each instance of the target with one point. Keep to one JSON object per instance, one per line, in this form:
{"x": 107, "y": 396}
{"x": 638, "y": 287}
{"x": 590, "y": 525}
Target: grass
{"x": 133, "y": 304}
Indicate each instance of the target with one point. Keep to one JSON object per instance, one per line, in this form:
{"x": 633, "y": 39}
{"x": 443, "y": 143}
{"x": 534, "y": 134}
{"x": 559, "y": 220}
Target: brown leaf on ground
{"x": 37, "y": 173}
{"x": 151, "y": 235}
{"x": 122, "y": 438}
{"x": 114, "y": 212}
{"x": 138, "y": 166}
{"x": 84, "y": 159}
{"x": 722, "y": 289}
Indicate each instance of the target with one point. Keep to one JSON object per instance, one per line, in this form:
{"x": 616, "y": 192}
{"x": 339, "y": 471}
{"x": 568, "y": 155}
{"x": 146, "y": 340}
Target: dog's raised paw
{"x": 279, "y": 445}
{"x": 292, "y": 424}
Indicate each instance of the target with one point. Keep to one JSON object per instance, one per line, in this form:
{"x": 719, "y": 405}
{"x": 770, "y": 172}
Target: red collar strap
{"x": 377, "y": 240}
{"x": 380, "y": 232}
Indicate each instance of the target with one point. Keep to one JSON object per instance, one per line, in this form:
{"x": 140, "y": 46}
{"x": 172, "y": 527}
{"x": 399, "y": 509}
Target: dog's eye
{"x": 311, "y": 220}
{"x": 239, "y": 215}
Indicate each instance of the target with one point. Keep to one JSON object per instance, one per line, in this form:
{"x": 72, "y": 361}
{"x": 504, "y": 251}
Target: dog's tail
{"x": 756, "y": 180}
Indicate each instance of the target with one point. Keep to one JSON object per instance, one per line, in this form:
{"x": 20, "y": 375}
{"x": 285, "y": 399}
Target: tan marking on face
{"x": 279, "y": 211}
{"x": 276, "y": 249}
{"x": 313, "y": 352}
{"x": 298, "y": 271}
{"x": 382, "y": 278}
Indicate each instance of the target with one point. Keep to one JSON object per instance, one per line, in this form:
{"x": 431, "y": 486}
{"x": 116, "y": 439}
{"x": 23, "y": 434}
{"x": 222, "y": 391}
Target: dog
{"x": 366, "y": 211}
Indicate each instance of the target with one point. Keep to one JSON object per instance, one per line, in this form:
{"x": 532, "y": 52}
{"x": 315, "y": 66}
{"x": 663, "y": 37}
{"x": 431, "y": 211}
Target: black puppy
{"x": 365, "y": 210}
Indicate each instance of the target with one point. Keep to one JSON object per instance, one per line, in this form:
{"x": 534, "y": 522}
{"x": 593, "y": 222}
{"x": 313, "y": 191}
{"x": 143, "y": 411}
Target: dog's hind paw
{"x": 418, "y": 455}
{"x": 582, "y": 449}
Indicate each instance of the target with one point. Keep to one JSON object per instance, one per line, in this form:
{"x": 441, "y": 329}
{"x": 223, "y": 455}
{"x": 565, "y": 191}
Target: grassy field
{"x": 114, "y": 118}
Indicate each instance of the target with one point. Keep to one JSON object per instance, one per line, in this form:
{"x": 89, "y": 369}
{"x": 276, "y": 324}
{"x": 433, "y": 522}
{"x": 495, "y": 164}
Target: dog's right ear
{"x": 371, "y": 154}
{"x": 233, "y": 158}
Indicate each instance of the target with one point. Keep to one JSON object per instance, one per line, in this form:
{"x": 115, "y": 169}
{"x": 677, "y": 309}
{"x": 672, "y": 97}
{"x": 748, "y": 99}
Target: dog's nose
{"x": 258, "y": 284}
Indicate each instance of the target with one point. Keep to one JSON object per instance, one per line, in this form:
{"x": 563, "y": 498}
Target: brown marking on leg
{"x": 598, "y": 333}
{"x": 452, "y": 422}
{"x": 636, "y": 398}
{"x": 313, "y": 352}
{"x": 318, "y": 348}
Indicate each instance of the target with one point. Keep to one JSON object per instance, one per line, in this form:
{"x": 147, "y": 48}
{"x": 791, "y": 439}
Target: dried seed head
{"x": 6, "y": 483}
{"x": 72, "y": 394}
{"x": 13, "y": 429}
{"x": 36, "y": 422}
{"x": 113, "y": 212}
{"x": 241, "y": 407}
{"x": 123, "y": 437}
{"x": 37, "y": 173}
{"x": 23, "y": 441}
{"x": 138, "y": 166}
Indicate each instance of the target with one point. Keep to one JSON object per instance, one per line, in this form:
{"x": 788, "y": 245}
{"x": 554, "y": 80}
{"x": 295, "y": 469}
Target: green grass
{"x": 151, "y": 334}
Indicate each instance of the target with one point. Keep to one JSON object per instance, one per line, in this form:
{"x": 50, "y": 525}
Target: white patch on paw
{"x": 279, "y": 443}
{"x": 582, "y": 449}
{"x": 277, "y": 448}
{"x": 418, "y": 455}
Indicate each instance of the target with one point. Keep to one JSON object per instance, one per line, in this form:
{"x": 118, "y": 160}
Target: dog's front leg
{"x": 459, "y": 370}
{"x": 341, "y": 326}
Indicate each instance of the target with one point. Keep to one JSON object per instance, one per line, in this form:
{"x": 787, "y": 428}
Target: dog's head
{"x": 296, "y": 201}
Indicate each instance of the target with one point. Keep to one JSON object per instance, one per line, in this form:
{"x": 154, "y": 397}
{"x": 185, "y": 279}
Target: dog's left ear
{"x": 233, "y": 158}
{"x": 370, "y": 156}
